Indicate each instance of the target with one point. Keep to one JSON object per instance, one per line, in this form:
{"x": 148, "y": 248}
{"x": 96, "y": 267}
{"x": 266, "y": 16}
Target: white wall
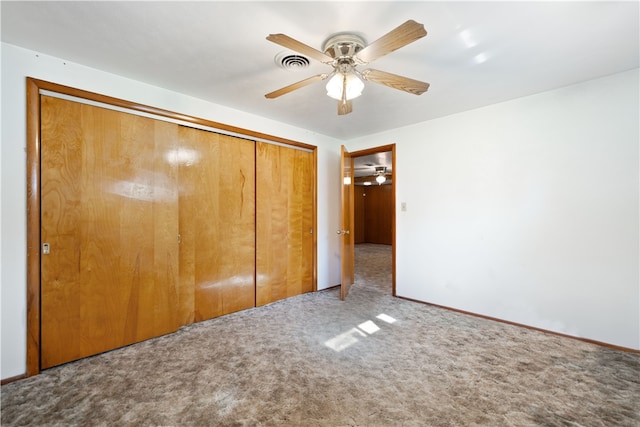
{"x": 17, "y": 64}
{"x": 527, "y": 210}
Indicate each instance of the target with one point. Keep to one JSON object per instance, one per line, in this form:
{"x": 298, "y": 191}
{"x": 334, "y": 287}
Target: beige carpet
{"x": 313, "y": 360}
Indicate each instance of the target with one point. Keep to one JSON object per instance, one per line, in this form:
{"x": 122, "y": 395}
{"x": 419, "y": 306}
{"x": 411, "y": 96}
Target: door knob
{"x": 342, "y": 232}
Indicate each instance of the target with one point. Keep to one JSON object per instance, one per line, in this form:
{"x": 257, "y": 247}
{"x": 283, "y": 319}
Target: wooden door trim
{"x": 383, "y": 149}
{"x": 33, "y": 146}
{"x": 134, "y": 106}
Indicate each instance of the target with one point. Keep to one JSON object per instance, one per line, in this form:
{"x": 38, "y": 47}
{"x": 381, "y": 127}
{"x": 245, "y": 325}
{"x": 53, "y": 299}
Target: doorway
{"x": 374, "y": 217}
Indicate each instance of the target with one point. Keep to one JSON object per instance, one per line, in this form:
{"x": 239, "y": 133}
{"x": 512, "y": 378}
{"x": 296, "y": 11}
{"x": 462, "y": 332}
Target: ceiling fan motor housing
{"x": 343, "y": 46}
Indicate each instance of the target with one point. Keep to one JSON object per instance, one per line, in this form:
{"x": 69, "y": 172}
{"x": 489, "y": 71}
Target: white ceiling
{"x": 366, "y": 165}
{"x": 475, "y": 53}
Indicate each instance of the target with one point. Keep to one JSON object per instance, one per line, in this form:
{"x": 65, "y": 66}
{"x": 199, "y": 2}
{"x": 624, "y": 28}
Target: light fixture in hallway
{"x": 380, "y": 172}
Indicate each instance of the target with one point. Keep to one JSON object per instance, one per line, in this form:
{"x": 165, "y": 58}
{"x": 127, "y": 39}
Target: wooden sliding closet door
{"x": 284, "y": 222}
{"x": 109, "y": 222}
{"x": 217, "y": 223}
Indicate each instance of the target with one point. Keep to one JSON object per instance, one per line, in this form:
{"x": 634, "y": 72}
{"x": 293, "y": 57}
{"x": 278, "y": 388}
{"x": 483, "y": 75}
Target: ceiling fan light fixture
{"x": 380, "y": 174}
{"x": 347, "y": 82}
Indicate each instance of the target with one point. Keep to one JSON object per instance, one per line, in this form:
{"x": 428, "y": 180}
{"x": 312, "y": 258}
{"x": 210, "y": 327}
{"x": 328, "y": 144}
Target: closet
{"x": 148, "y": 225}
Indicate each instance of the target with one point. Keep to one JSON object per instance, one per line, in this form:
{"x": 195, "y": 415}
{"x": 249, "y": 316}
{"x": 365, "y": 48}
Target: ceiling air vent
{"x": 290, "y": 61}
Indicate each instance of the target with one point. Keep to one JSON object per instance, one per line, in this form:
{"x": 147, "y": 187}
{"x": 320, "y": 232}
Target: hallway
{"x": 373, "y": 267}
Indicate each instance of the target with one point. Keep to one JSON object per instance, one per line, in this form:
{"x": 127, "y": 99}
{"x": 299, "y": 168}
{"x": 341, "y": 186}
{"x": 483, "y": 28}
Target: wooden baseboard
{"x": 495, "y": 319}
{"x": 12, "y": 379}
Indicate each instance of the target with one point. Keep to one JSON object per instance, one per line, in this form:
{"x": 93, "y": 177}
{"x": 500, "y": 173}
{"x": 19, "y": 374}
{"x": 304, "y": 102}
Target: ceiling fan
{"x": 346, "y": 51}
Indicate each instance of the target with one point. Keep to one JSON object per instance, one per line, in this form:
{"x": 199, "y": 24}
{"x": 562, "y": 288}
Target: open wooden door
{"x": 346, "y": 223}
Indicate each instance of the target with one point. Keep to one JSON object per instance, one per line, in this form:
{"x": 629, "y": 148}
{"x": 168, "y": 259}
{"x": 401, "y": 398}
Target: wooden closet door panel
{"x": 217, "y": 222}
{"x": 109, "y": 212}
{"x": 272, "y": 234}
{"x": 61, "y": 172}
{"x": 284, "y": 220}
{"x": 302, "y": 199}
{"x": 151, "y": 264}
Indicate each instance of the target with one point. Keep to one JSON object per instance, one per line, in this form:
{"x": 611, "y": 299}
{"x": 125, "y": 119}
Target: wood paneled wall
{"x": 373, "y": 211}
{"x": 358, "y": 208}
